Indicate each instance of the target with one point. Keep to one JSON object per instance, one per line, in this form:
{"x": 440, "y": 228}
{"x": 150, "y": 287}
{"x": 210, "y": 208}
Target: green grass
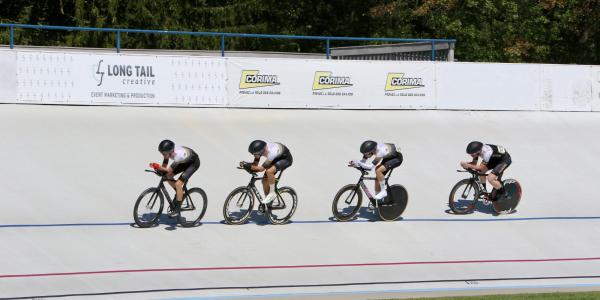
{"x": 542, "y": 296}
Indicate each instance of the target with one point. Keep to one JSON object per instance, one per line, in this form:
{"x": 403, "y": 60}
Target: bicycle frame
{"x": 161, "y": 186}
{"x": 361, "y": 181}
{"x": 475, "y": 178}
{"x": 252, "y": 185}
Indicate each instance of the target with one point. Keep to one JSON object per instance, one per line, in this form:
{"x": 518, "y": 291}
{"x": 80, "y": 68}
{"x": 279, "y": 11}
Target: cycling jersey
{"x": 495, "y": 158}
{"x": 387, "y": 154}
{"x": 279, "y": 156}
{"x": 185, "y": 161}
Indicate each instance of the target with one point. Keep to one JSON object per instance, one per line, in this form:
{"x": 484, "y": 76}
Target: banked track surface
{"x": 72, "y": 173}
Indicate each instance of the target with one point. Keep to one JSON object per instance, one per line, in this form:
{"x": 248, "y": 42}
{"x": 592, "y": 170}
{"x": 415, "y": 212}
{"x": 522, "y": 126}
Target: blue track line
{"x": 498, "y": 219}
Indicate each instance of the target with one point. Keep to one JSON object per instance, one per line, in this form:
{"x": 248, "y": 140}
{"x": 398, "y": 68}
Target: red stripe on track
{"x": 304, "y": 266}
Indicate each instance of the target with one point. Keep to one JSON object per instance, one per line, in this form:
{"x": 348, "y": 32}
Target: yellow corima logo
{"x": 251, "y": 79}
{"x": 396, "y": 81}
{"x": 324, "y": 80}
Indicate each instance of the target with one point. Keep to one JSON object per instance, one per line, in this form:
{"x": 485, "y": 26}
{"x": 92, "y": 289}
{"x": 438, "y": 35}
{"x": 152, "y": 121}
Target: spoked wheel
{"x": 193, "y": 207}
{"x": 347, "y": 202}
{"x": 463, "y": 197}
{"x": 283, "y": 207}
{"x": 238, "y": 205}
{"x": 148, "y": 208}
{"x": 392, "y": 206}
{"x": 504, "y": 205}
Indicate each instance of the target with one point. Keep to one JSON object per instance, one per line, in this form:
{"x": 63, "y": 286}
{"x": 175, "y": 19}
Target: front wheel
{"x": 394, "y": 204}
{"x": 463, "y": 197}
{"x": 238, "y": 205}
{"x": 283, "y": 207}
{"x": 148, "y": 208}
{"x": 193, "y": 207}
{"x": 347, "y": 202}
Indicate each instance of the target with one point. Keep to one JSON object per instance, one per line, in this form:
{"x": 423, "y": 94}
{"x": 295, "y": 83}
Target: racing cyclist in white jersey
{"x": 494, "y": 158}
{"x": 385, "y": 157}
{"x": 185, "y": 161}
{"x": 278, "y": 158}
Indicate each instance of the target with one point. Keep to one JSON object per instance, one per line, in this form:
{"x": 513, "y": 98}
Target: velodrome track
{"x": 71, "y": 175}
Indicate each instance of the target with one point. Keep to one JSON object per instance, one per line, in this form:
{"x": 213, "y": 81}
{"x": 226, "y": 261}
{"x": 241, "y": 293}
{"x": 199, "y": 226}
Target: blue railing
{"x": 221, "y": 35}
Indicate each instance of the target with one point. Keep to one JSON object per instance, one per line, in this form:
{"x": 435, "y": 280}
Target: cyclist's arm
{"x": 363, "y": 164}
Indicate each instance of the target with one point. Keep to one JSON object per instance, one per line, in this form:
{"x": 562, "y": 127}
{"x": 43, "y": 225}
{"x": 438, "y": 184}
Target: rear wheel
{"x": 283, "y": 207}
{"x": 347, "y": 202}
{"x": 238, "y": 205}
{"x": 193, "y": 207}
{"x": 394, "y": 204}
{"x": 148, "y": 208}
{"x": 463, "y": 197}
{"x": 504, "y": 205}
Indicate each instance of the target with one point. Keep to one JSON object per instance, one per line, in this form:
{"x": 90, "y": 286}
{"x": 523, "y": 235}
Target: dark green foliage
{"x": 551, "y": 31}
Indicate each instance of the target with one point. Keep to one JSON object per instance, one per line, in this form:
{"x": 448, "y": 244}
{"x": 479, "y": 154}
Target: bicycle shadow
{"x": 255, "y": 218}
{"x": 479, "y": 207}
{"x": 364, "y": 214}
{"x": 172, "y": 223}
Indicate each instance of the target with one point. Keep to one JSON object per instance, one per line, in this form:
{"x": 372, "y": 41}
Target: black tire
{"x": 238, "y": 205}
{"x": 463, "y": 197}
{"x": 283, "y": 207}
{"x": 508, "y": 205}
{"x": 392, "y": 206}
{"x": 347, "y": 202}
{"x": 148, "y": 207}
{"x": 193, "y": 207}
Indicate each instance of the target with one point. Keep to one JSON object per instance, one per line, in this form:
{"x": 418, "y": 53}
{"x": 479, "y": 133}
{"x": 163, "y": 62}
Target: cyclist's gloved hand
{"x": 154, "y": 166}
{"x": 352, "y": 163}
{"x": 247, "y": 166}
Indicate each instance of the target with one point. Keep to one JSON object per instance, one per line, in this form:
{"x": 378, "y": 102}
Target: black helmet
{"x": 367, "y": 146}
{"x": 474, "y": 147}
{"x": 166, "y": 146}
{"x": 256, "y": 147}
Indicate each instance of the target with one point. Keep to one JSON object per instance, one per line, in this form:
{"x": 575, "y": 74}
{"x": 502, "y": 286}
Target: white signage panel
{"x": 566, "y": 88}
{"x": 8, "y": 76}
{"x": 482, "y": 86}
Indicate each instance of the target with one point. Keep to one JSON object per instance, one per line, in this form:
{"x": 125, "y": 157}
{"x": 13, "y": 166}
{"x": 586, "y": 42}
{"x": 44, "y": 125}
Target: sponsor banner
{"x": 566, "y": 88}
{"x": 330, "y": 83}
{"x": 479, "y": 86}
{"x": 8, "y": 76}
{"x": 50, "y": 77}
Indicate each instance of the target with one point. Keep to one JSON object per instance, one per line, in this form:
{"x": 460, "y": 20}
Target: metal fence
{"x": 223, "y": 36}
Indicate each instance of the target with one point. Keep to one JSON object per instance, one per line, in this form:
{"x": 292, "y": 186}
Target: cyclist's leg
{"x": 380, "y": 171}
{"x": 190, "y": 169}
{"x": 278, "y": 166}
{"x": 497, "y": 172}
{"x": 483, "y": 179}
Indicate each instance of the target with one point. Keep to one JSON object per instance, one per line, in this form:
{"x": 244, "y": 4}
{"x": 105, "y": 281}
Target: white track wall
{"x": 126, "y": 79}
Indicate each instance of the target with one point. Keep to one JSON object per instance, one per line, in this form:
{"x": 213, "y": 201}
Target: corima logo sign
{"x": 129, "y": 74}
{"x": 324, "y": 80}
{"x": 253, "y": 79}
{"x": 396, "y": 81}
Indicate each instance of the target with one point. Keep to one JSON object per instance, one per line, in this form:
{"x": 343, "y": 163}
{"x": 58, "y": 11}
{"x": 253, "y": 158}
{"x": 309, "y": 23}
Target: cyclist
{"x": 278, "y": 158}
{"x": 494, "y": 158}
{"x": 386, "y": 157}
{"x": 185, "y": 161}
